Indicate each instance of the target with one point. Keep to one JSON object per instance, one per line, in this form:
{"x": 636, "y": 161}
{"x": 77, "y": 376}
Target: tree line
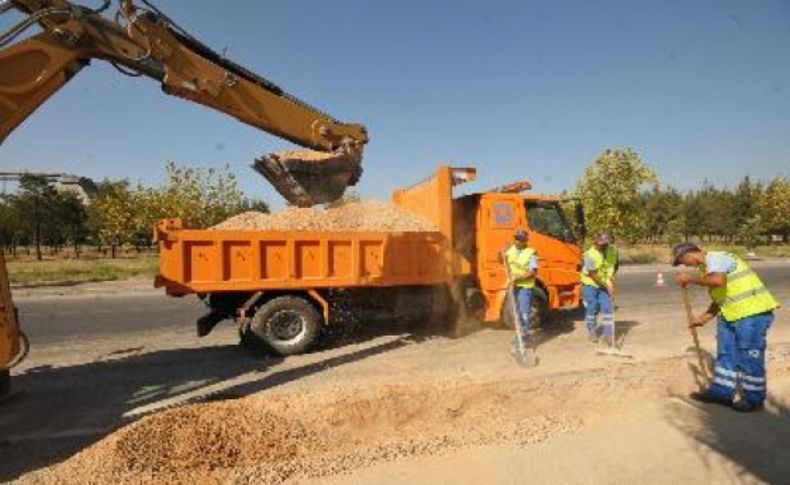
{"x": 623, "y": 195}
{"x": 620, "y": 194}
{"x": 120, "y": 213}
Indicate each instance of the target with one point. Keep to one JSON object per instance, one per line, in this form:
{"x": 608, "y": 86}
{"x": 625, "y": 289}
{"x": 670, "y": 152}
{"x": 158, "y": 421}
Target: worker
{"x": 597, "y": 277}
{"x": 745, "y": 311}
{"x": 522, "y": 264}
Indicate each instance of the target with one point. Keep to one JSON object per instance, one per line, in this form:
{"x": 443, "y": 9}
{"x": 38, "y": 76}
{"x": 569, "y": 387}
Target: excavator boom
{"x": 143, "y": 41}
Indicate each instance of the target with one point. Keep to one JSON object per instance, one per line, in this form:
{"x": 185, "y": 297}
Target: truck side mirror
{"x": 580, "y": 222}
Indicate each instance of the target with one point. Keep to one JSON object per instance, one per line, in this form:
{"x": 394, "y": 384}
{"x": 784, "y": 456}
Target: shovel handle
{"x": 513, "y": 305}
{"x": 693, "y": 330}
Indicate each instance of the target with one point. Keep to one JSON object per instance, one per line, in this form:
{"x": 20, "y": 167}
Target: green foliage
{"x": 41, "y": 215}
{"x": 774, "y": 207}
{"x": 610, "y": 190}
{"x": 112, "y": 214}
{"x": 622, "y": 195}
{"x": 119, "y": 214}
{"x": 750, "y": 230}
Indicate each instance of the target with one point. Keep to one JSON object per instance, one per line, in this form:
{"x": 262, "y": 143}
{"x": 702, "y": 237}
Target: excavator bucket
{"x": 307, "y": 177}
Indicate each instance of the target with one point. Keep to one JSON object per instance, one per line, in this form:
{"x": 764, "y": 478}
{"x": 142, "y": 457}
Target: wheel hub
{"x": 286, "y": 324}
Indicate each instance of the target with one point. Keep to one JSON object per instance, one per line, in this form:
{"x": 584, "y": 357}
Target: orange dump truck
{"x": 283, "y": 287}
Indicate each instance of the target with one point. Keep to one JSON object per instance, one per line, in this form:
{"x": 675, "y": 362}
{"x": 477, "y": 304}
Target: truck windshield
{"x": 548, "y": 218}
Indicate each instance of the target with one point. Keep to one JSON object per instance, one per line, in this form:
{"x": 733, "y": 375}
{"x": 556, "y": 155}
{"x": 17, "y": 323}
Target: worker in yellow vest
{"x": 597, "y": 277}
{"x": 522, "y": 263}
{"x": 745, "y": 310}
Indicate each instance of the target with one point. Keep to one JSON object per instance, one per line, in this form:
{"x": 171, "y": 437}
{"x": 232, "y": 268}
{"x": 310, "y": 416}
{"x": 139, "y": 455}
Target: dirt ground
{"x": 415, "y": 406}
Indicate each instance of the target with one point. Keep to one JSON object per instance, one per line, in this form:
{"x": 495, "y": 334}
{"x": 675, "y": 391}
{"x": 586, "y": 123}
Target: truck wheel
{"x": 286, "y": 325}
{"x": 539, "y": 315}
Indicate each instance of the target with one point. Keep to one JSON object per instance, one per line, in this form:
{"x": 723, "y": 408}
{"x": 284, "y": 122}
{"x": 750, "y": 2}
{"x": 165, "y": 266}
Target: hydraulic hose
{"x": 24, "y": 349}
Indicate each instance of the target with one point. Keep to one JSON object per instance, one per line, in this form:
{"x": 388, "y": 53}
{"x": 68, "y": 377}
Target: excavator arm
{"x": 143, "y": 41}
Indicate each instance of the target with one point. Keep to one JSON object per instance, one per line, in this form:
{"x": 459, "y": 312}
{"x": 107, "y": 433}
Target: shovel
{"x": 703, "y": 373}
{"x": 524, "y": 356}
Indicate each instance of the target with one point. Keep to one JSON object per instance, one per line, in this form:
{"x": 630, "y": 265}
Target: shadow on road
{"x": 61, "y": 410}
{"x": 755, "y": 444}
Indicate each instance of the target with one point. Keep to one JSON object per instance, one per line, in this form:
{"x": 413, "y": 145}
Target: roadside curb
{"x": 88, "y": 289}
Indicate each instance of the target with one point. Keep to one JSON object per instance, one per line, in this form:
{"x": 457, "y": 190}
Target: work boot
{"x": 744, "y": 406}
{"x": 710, "y": 398}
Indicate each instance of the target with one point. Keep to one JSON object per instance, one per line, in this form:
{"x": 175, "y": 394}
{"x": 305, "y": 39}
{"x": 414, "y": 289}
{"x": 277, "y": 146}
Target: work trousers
{"x": 524, "y": 299}
{"x": 740, "y": 357}
{"x": 597, "y": 300}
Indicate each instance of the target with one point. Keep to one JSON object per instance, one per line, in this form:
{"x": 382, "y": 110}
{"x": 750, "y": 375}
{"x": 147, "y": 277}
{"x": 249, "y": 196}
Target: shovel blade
{"x": 307, "y": 177}
{"x": 526, "y": 357}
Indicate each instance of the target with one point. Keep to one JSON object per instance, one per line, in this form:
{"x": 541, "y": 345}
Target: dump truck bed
{"x": 209, "y": 261}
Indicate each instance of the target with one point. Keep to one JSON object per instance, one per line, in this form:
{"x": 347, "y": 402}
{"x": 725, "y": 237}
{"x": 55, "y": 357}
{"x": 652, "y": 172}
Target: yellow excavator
{"x": 141, "y": 41}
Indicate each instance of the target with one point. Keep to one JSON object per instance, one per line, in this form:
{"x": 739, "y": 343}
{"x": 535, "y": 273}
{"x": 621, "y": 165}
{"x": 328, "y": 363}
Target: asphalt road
{"x": 53, "y": 321}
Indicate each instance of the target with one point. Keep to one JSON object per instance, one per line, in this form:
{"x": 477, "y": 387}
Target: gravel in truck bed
{"x": 357, "y": 216}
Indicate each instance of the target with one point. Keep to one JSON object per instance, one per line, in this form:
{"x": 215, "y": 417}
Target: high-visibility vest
{"x": 744, "y": 294}
{"x": 518, "y": 264}
{"x": 599, "y": 265}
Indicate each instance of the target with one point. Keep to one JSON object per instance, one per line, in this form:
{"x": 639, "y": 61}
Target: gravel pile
{"x": 356, "y": 216}
{"x": 265, "y": 439}
{"x": 276, "y": 437}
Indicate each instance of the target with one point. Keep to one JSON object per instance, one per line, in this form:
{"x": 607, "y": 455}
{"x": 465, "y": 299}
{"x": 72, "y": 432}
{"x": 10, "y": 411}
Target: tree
{"x": 112, "y": 214}
{"x": 663, "y": 213}
{"x": 35, "y": 207}
{"x": 610, "y": 191}
{"x": 745, "y": 204}
{"x": 257, "y": 205}
{"x": 774, "y": 207}
{"x": 201, "y": 198}
{"x": 71, "y": 220}
{"x": 749, "y": 232}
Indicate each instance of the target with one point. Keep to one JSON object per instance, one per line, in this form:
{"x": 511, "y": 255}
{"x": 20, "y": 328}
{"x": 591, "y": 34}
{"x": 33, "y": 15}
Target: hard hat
{"x": 521, "y": 235}
{"x": 679, "y": 250}
{"x": 604, "y": 238}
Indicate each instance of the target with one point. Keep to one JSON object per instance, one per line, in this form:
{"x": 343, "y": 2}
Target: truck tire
{"x": 540, "y": 310}
{"x": 286, "y": 325}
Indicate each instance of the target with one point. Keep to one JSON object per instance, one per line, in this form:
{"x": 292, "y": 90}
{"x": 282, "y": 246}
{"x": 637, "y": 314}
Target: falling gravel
{"x": 355, "y": 216}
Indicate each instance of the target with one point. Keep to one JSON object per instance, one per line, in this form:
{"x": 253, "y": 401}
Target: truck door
{"x": 559, "y": 252}
{"x": 497, "y": 218}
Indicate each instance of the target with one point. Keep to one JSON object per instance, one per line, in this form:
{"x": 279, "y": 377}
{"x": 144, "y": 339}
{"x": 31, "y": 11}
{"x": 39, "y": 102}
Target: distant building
{"x": 83, "y": 187}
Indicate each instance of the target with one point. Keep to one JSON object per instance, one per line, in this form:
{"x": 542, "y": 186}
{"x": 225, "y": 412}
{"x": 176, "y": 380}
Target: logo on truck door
{"x": 503, "y": 214}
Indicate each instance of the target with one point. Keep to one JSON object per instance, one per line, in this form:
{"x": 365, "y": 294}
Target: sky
{"x": 530, "y": 89}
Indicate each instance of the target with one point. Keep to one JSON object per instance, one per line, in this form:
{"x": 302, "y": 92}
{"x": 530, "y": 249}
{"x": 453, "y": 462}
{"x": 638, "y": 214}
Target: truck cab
{"x": 496, "y": 217}
{"x": 479, "y": 227}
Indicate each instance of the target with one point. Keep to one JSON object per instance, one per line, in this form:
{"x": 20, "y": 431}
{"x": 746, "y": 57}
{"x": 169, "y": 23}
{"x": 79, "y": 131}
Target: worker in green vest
{"x": 522, "y": 263}
{"x": 745, "y": 311}
{"x": 598, "y": 275}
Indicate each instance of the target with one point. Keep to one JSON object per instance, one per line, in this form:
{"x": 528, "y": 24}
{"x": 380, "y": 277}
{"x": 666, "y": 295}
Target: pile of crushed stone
{"x": 271, "y": 437}
{"x": 355, "y": 216}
